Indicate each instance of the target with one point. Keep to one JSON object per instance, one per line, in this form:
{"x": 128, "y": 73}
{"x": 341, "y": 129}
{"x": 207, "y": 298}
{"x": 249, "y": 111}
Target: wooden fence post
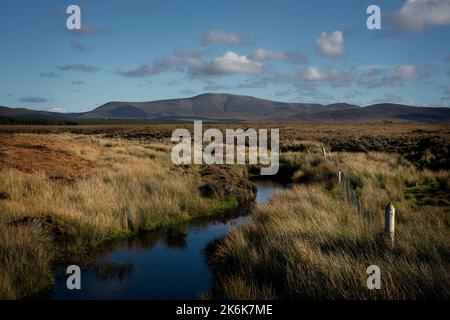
{"x": 389, "y": 222}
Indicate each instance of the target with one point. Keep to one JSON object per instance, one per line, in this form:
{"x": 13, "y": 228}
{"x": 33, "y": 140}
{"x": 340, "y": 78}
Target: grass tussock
{"x": 129, "y": 188}
{"x": 66, "y": 190}
{"x": 310, "y": 243}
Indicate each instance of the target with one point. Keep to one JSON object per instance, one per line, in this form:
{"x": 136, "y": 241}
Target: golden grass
{"x": 130, "y": 187}
{"x": 309, "y": 242}
{"x": 78, "y": 191}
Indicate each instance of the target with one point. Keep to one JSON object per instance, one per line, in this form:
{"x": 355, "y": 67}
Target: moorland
{"x": 68, "y": 190}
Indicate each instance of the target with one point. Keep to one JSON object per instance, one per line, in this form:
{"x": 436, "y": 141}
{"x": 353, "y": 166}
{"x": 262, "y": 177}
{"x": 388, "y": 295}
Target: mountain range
{"x": 237, "y": 108}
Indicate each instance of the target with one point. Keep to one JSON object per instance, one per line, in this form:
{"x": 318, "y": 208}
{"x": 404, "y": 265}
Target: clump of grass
{"x": 24, "y": 260}
{"x": 227, "y": 183}
{"x": 224, "y": 206}
{"x": 130, "y": 188}
{"x": 310, "y": 243}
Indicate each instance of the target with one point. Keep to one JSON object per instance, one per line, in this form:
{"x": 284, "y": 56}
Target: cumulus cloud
{"x": 192, "y": 62}
{"x": 312, "y": 74}
{"x": 378, "y": 77}
{"x": 418, "y": 15}
{"x": 232, "y": 63}
{"x": 221, "y": 37}
{"x": 407, "y": 72}
{"x": 263, "y": 55}
{"x": 331, "y": 76}
{"x": 33, "y": 99}
{"x": 331, "y": 44}
{"x": 49, "y": 75}
{"x": 77, "y": 67}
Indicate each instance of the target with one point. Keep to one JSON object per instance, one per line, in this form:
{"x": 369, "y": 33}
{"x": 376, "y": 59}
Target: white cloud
{"x": 221, "y": 37}
{"x": 313, "y": 74}
{"x": 331, "y": 44}
{"x": 406, "y": 72}
{"x": 57, "y": 109}
{"x": 417, "y": 15}
{"x": 192, "y": 62}
{"x": 332, "y": 76}
{"x": 232, "y": 63}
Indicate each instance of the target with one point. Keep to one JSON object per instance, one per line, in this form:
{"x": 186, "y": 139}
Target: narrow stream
{"x": 155, "y": 265}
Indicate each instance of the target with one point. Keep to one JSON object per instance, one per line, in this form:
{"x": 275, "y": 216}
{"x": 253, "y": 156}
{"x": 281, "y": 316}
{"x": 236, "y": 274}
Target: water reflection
{"x": 108, "y": 271}
{"x": 166, "y": 264}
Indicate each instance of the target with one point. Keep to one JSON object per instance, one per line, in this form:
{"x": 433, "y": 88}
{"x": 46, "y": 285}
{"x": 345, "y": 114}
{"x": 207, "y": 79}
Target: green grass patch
{"x": 223, "y": 206}
{"x": 427, "y": 194}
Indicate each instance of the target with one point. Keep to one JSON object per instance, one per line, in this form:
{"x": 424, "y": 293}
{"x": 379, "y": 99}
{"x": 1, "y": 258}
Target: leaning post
{"x": 389, "y": 222}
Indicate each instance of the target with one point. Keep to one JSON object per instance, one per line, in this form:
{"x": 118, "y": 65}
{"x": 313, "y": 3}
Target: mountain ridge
{"x": 228, "y": 107}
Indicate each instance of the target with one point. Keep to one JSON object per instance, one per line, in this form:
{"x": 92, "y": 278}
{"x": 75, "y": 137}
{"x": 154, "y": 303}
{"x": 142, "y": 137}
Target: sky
{"x": 317, "y": 51}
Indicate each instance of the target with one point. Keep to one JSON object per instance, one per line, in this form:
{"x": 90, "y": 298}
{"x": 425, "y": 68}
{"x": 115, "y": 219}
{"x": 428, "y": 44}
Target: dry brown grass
{"x": 309, "y": 242}
{"x": 72, "y": 188}
{"x": 104, "y": 189}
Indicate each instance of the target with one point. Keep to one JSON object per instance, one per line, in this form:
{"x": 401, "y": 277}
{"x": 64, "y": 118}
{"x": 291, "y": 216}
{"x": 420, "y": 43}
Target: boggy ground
{"x": 425, "y": 145}
{"x": 66, "y": 190}
{"x": 310, "y": 243}
{"x": 62, "y": 195}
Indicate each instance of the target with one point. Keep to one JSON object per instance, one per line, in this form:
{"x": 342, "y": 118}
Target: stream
{"x": 157, "y": 265}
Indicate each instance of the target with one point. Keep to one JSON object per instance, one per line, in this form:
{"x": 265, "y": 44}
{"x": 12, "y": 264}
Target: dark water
{"x": 156, "y": 265}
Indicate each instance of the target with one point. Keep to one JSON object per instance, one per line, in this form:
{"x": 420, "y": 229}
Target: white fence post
{"x": 324, "y": 152}
{"x": 389, "y": 222}
{"x": 339, "y": 177}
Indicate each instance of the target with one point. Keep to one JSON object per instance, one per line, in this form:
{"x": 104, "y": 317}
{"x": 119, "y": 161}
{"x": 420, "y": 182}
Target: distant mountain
{"x": 25, "y": 113}
{"x": 209, "y": 106}
{"x": 381, "y": 112}
{"x": 228, "y": 107}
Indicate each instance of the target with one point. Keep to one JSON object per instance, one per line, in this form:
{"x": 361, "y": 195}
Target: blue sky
{"x": 304, "y": 51}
